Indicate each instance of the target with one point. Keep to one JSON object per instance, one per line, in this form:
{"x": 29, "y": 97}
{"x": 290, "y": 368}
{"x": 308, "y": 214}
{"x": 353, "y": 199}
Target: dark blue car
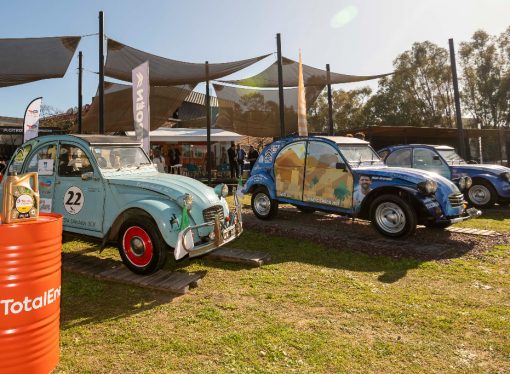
{"x": 489, "y": 184}
{"x": 346, "y": 176}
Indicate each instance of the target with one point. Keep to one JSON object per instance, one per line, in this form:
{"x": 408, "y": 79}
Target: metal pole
{"x": 101, "y": 73}
{"x": 280, "y": 84}
{"x": 458, "y": 116}
{"x": 208, "y": 116}
{"x": 330, "y": 102}
{"x": 80, "y": 97}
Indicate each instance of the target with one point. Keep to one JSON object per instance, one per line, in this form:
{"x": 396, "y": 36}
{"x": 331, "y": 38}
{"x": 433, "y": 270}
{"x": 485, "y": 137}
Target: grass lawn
{"x": 491, "y": 219}
{"x": 311, "y": 310}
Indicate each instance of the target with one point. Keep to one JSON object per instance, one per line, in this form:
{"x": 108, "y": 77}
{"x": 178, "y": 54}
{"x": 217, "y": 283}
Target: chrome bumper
{"x": 223, "y": 234}
{"x": 469, "y": 213}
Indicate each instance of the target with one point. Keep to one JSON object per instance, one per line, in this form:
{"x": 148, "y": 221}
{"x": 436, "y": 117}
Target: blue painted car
{"x": 346, "y": 176}
{"x": 107, "y": 188}
{"x": 487, "y": 184}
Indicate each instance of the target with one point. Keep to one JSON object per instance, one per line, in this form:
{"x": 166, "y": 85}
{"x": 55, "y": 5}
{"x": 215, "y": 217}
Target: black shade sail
{"x": 32, "y": 59}
{"x": 122, "y": 59}
{"x": 256, "y": 112}
{"x": 312, "y": 76}
{"x": 118, "y": 104}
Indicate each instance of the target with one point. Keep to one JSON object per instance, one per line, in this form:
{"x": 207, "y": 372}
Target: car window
{"x": 73, "y": 161}
{"x": 20, "y": 157}
{"x": 427, "y": 159}
{"x": 401, "y": 157}
{"x": 322, "y": 155}
{"x": 43, "y": 160}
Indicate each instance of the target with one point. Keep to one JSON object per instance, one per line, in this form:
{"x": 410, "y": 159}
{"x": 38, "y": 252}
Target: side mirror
{"x": 341, "y": 166}
{"x": 87, "y": 176}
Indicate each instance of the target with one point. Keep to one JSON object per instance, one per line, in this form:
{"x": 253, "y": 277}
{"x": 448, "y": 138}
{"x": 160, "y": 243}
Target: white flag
{"x": 301, "y": 104}
{"x": 31, "y": 120}
{"x": 141, "y": 110}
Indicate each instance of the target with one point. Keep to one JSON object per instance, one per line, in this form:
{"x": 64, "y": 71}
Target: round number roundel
{"x": 73, "y": 200}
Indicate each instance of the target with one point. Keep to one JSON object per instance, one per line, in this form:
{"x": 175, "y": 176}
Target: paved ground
{"x": 339, "y": 232}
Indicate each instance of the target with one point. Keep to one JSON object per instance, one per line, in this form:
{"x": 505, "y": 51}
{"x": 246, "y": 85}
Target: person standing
{"x": 241, "y": 154}
{"x": 159, "y": 161}
{"x": 253, "y": 154}
{"x": 232, "y": 160}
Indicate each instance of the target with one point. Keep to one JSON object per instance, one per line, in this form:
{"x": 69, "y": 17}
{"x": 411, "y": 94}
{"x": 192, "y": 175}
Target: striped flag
{"x": 301, "y": 104}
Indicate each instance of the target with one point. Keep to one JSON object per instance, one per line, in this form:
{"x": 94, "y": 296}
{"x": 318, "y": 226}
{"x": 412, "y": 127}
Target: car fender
{"x": 422, "y": 204}
{"x": 161, "y": 211}
{"x": 261, "y": 179}
{"x": 502, "y": 187}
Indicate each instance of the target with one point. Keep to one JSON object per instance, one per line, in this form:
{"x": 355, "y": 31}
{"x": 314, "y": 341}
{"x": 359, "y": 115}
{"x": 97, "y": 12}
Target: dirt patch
{"x": 340, "y": 232}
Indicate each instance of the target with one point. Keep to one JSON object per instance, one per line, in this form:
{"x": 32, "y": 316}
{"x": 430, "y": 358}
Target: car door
{"x": 328, "y": 180}
{"x": 79, "y": 191}
{"x": 289, "y": 170}
{"x": 427, "y": 159}
{"x": 43, "y": 161}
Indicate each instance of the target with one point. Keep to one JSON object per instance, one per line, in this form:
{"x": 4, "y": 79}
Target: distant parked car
{"x": 490, "y": 184}
{"x": 346, "y": 176}
{"x": 106, "y": 187}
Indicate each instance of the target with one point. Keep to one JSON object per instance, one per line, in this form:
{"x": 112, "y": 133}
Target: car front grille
{"x": 210, "y": 213}
{"x": 456, "y": 199}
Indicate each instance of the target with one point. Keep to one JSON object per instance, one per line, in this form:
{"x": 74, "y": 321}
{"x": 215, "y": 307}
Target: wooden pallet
{"x": 465, "y": 230}
{"x": 115, "y": 271}
{"x": 241, "y": 256}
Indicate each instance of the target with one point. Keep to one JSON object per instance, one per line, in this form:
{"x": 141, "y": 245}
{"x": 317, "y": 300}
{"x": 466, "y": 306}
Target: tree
{"x": 419, "y": 93}
{"x": 348, "y": 110}
{"x": 485, "y": 63}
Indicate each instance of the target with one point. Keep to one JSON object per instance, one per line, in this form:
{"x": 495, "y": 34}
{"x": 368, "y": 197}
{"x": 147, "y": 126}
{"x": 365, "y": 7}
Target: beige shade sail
{"x": 118, "y": 107}
{"x": 32, "y": 59}
{"x": 255, "y": 112}
{"x": 121, "y": 59}
{"x": 311, "y": 76}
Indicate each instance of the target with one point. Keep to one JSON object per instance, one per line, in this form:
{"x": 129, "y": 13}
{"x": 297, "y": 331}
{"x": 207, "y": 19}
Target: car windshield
{"x": 359, "y": 154}
{"x": 110, "y": 157}
{"x": 451, "y": 157}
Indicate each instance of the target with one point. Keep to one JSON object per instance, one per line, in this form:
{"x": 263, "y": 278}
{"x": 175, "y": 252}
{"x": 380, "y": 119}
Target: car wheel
{"x": 392, "y": 216}
{"x": 481, "y": 195}
{"x": 262, "y": 205}
{"x": 305, "y": 209}
{"x": 141, "y": 247}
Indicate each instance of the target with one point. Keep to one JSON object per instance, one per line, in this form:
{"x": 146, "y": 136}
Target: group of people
{"x": 174, "y": 158}
{"x": 236, "y": 158}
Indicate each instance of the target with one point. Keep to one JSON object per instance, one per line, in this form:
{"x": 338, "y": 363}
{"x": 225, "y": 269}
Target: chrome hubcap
{"x": 479, "y": 194}
{"x": 390, "y": 217}
{"x": 137, "y": 246}
{"x": 262, "y": 204}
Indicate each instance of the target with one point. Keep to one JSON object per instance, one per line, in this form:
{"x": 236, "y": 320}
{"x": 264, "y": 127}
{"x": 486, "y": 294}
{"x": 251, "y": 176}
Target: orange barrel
{"x": 30, "y": 264}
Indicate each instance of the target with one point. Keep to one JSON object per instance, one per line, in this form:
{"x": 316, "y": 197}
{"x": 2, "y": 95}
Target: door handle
{"x": 57, "y": 182}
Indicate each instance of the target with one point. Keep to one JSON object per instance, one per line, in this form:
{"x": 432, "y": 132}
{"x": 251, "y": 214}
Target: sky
{"x": 354, "y": 37}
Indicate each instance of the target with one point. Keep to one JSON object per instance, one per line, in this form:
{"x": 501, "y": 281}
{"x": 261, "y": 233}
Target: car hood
{"x": 406, "y": 174}
{"x": 479, "y": 169}
{"x": 171, "y": 185}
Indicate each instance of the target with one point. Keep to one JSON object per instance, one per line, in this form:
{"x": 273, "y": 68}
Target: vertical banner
{"x": 301, "y": 104}
{"x": 141, "y": 110}
{"x": 31, "y": 120}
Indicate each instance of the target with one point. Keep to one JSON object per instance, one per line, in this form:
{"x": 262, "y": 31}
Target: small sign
{"x": 45, "y": 205}
{"x": 45, "y": 167}
{"x": 73, "y": 200}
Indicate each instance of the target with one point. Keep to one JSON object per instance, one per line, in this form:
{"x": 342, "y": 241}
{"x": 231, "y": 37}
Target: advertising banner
{"x": 141, "y": 111}
{"x": 31, "y": 120}
{"x": 301, "y": 105}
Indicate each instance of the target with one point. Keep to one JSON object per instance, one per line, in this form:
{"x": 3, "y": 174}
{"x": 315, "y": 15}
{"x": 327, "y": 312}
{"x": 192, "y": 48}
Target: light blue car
{"x": 107, "y": 188}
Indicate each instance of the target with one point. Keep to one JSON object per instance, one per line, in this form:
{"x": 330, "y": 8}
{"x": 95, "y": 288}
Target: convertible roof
{"x": 344, "y": 140}
{"x": 108, "y": 139}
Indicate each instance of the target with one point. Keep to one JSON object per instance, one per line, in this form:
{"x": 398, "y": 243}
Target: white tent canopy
{"x": 175, "y": 135}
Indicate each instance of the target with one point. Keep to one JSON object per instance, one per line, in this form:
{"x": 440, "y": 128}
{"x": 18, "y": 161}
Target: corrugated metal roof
{"x": 199, "y": 98}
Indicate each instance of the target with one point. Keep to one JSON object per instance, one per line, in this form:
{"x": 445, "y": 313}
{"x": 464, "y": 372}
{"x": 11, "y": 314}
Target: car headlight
{"x": 462, "y": 183}
{"x": 505, "y": 175}
{"x": 221, "y": 190}
{"x": 187, "y": 200}
{"x": 469, "y": 182}
{"x": 428, "y": 187}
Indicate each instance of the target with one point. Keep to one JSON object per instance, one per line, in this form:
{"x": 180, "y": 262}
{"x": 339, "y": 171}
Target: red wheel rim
{"x": 137, "y": 246}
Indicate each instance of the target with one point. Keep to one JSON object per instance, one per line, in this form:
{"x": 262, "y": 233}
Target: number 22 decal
{"x": 73, "y": 200}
